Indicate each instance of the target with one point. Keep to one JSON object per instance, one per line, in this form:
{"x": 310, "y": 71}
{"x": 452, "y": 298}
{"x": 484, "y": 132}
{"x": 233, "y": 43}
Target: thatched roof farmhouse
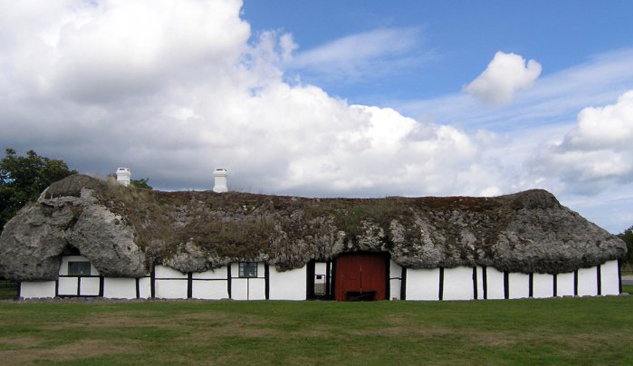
{"x": 124, "y": 232}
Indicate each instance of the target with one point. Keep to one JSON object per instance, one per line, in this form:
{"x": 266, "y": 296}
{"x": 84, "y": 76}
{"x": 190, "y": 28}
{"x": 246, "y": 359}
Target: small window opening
{"x": 248, "y": 269}
{"x": 79, "y": 268}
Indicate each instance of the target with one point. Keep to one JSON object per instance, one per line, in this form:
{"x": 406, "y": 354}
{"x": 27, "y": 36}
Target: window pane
{"x": 79, "y": 268}
{"x": 248, "y": 269}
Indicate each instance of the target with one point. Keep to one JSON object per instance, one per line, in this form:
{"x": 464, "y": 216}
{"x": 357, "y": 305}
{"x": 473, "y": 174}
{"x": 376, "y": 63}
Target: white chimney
{"x": 123, "y": 176}
{"x": 220, "y": 175}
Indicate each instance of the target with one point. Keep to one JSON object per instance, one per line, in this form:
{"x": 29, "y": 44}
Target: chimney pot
{"x": 220, "y": 175}
{"x": 123, "y": 176}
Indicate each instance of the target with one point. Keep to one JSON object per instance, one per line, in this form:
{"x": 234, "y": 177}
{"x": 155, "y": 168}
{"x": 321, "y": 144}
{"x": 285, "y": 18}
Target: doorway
{"x": 361, "y": 276}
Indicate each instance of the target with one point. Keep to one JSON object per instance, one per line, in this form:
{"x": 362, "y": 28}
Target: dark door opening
{"x": 361, "y": 276}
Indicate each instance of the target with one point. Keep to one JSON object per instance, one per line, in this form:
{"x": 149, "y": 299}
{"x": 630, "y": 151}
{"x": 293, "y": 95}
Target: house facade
{"x": 88, "y": 238}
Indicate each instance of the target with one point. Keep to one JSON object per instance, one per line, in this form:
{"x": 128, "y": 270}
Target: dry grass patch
{"x": 30, "y": 353}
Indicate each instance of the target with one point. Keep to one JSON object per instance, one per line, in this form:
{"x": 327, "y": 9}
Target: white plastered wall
{"x": 395, "y": 273}
{"x": 543, "y": 285}
{"x": 494, "y": 284}
{"x": 119, "y": 288}
{"x": 519, "y": 285}
{"x": 210, "y": 285}
{"x": 458, "y": 283}
{"x": 565, "y": 284}
{"x": 90, "y": 286}
{"x": 145, "y": 285}
{"x": 68, "y": 286}
{"x": 610, "y": 279}
{"x": 288, "y": 285}
{"x": 170, "y": 284}
{"x": 423, "y": 284}
{"x": 588, "y": 281}
{"x": 37, "y": 289}
{"x": 63, "y": 269}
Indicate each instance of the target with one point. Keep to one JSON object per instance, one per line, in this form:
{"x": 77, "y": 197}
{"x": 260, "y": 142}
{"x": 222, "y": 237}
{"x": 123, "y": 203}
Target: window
{"x": 79, "y": 268}
{"x": 248, "y": 269}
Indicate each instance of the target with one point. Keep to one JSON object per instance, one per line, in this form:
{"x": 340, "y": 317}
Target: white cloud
{"x": 597, "y": 152}
{"x": 174, "y": 89}
{"x": 505, "y": 75}
{"x": 115, "y": 48}
{"x": 363, "y": 55}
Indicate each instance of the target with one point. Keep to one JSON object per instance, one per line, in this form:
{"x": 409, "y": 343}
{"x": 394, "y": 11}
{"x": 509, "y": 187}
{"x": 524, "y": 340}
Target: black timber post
{"x": 310, "y": 280}
{"x": 531, "y": 293}
{"x": 101, "y": 285}
{"x": 403, "y": 284}
{"x": 475, "y": 282}
{"x": 138, "y": 288}
{"x": 599, "y": 279}
{"x": 152, "y": 285}
{"x": 79, "y": 286}
{"x": 555, "y": 280}
{"x": 387, "y": 277}
{"x": 189, "y": 285}
{"x": 57, "y": 287}
{"x": 228, "y": 279}
{"x": 440, "y": 295}
{"x": 19, "y": 289}
{"x": 267, "y": 281}
{"x": 576, "y": 283}
{"x": 506, "y": 285}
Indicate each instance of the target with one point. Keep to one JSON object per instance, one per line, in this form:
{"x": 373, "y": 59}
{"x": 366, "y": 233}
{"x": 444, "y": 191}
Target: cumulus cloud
{"x": 92, "y": 51}
{"x": 505, "y": 75}
{"x": 174, "y": 89}
{"x": 597, "y": 152}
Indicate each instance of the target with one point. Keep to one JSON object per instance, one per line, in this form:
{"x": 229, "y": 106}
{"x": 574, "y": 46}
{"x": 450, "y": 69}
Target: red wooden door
{"x": 360, "y": 274}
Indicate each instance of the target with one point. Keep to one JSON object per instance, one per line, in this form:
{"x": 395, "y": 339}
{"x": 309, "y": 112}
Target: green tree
{"x": 627, "y": 237}
{"x": 141, "y": 183}
{"x": 23, "y": 178}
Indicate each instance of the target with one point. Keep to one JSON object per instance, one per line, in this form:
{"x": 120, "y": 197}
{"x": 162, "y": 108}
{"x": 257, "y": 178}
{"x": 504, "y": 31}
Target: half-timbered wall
{"x": 248, "y": 288}
{"x": 461, "y": 283}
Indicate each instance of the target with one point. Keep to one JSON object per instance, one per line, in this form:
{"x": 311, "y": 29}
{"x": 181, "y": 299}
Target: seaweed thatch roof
{"x": 124, "y": 230}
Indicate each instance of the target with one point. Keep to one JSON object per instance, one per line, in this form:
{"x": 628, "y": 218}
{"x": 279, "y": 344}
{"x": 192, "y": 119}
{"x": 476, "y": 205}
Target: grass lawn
{"x": 580, "y": 331}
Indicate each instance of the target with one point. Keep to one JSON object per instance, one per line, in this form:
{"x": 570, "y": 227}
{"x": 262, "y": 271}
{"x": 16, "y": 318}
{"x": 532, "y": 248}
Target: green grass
{"x": 570, "y": 331}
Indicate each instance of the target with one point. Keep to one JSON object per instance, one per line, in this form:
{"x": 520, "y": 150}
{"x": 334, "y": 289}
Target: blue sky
{"x": 455, "y": 39}
{"x": 331, "y": 98}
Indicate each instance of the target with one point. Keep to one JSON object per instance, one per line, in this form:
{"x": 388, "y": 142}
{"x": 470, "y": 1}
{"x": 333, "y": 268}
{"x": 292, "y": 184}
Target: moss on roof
{"x": 192, "y": 230}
